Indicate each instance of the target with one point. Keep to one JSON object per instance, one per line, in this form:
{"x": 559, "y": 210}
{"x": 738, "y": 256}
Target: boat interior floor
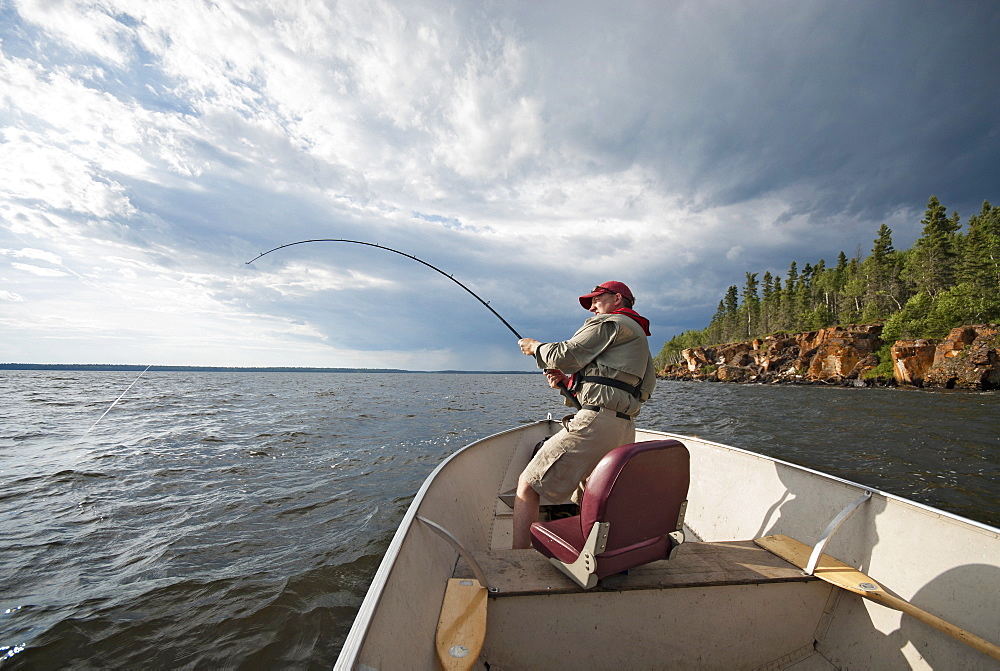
{"x": 527, "y": 572}
{"x": 732, "y": 605}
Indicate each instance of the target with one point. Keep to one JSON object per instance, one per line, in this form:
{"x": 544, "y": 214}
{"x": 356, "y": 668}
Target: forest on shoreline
{"x": 948, "y": 278}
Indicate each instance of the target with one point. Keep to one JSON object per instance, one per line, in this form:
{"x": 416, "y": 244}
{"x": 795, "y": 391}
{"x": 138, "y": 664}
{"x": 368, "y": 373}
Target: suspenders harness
{"x": 633, "y": 389}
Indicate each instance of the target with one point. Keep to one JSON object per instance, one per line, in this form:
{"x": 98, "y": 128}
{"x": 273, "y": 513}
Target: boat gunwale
{"x": 359, "y": 629}
{"x": 923, "y": 506}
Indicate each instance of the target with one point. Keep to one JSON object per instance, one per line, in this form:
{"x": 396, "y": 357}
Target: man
{"x": 607, "y": 365}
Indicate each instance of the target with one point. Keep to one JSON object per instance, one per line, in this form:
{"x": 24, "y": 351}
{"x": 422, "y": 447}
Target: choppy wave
{"x": 219, "y": 520}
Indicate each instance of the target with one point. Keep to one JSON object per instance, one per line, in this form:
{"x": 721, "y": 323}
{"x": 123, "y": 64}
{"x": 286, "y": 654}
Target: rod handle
{"x": 569, "y": 396}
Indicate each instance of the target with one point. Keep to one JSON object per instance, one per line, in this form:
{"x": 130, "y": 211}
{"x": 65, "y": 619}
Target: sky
{"x": 529, "y": 149}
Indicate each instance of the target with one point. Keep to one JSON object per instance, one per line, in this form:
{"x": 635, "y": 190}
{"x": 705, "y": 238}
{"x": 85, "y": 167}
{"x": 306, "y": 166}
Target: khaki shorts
{"x": 566, "y": 460}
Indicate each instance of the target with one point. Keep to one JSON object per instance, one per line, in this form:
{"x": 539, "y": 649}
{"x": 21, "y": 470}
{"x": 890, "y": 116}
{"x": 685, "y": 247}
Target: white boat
{"x": 722, "y": 602}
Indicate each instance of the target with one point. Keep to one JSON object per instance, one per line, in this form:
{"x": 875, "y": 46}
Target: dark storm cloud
{"x": 871, "y": 106}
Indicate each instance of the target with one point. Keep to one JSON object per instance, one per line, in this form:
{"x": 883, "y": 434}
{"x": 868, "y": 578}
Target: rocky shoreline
{"x": 967, "y": 358}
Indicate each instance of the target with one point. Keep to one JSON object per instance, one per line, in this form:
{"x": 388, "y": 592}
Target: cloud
{"x": 529, "y": 149}
{"x": 29, "y": 253}
{"x": 37, "y": 270}
{"x": 37, "y": 170}
{"x": 93, "y": 32}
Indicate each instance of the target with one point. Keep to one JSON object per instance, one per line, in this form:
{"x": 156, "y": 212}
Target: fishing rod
{"x": 562, "y": 387}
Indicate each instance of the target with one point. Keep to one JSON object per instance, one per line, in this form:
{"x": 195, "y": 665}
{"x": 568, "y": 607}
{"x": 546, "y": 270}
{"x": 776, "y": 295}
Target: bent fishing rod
{"x": 562, "y": 387}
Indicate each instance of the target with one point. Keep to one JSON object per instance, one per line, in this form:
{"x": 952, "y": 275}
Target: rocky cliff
{"x": 968, "y": 358}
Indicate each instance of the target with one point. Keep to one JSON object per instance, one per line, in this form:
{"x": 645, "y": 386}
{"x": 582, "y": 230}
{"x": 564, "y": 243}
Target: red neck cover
{"x": 642, "y": 321}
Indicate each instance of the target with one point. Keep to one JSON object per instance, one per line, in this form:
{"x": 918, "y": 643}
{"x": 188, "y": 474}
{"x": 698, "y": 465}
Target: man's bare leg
{"x": 525, "y": 513}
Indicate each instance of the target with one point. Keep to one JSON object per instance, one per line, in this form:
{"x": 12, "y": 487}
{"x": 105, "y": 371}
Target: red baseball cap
{"x": 606, "y": 288}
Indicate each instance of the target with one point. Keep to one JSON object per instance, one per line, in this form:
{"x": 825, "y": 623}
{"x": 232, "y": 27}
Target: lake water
{"x": 234, "y": 520}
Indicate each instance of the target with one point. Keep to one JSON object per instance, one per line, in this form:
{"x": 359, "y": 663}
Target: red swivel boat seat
{"x": 631, "y": 513}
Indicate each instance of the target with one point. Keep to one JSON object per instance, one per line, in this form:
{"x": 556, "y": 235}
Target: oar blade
{"x": 462, "y": 625}
{"x": 827, "y": 568}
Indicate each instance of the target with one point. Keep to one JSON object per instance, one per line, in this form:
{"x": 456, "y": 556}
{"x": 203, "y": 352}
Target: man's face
{"x": 604, "y": 304}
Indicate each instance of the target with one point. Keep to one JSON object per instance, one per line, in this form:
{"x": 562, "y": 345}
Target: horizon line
{"x": 235, "y": 369}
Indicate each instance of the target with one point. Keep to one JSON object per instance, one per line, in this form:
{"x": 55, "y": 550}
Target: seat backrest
{"x": 639, "y": 489}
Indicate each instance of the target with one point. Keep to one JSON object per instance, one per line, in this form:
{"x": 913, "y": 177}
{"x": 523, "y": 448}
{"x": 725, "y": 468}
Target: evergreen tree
{"x": 720, "y": 313}
{"x": 766, "y": 288}
{"x": 732, "y": 314}
{"x": 976, "y": 297}
{"x": 791, "y": 283}
{"x": 980, "y": 263}
{"x": 930, "y": 263}
{"x": 732, "y": 301}
{"x": 715, "y": 332}
{"x": 838, "y": 283}
{"x": 751, "y": 304}
{"x": 776, "y": 307}
{"x": 789, "y": 298}
{"x": 883, "y": 244}
{"x": 766, "y": 303}
{"x": 854, "y": 288}
{"x": 825, "y": 292}
{"x": 841, "y": 263}
{"x": 883, "y": 292}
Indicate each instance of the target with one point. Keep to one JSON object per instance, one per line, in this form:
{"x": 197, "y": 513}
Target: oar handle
{"x": 967, "y": 637}
{"x": 839, "y": 574}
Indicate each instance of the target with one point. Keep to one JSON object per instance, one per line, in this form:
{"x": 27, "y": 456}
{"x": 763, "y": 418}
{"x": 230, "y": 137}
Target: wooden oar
{"x": 846, "y": 577}
{"x": 462, "y": 625}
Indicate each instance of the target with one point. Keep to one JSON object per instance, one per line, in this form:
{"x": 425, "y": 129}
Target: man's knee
{"x": 525, "y": 489}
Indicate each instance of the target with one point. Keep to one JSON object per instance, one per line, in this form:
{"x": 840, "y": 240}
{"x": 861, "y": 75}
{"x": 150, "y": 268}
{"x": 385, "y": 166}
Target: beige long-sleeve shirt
{"x": 607, "y": 345}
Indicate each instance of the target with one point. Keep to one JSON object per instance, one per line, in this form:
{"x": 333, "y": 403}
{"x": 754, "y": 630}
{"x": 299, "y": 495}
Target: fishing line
{"x": 117, "y": 399}
{"x": 562, "y": 387}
